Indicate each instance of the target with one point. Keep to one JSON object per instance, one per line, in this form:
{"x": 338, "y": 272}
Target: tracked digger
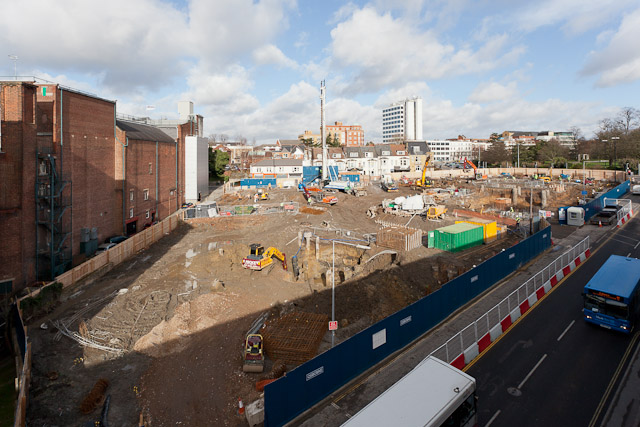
{"x": 424, "y": 182}
{"x": 259, "y": 258}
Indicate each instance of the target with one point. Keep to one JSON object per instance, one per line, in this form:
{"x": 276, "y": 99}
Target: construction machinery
{"x": 259, "y": 258}
{"x": 424, "y": 182}
{"x": 476, "y": 174}
{"x": 262, "y": 195}
{"x": 253, "y": 356}
{"x": 317, "y": 196}
{"x": 436, "y": 212}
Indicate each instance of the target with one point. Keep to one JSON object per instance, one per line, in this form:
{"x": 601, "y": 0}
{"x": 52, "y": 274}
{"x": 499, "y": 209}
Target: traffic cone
{"x": 599, "y": 223}
{"x": 240, "y": 407}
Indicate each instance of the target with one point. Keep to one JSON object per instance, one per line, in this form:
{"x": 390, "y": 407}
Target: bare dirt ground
{"x": 175, "y": 315}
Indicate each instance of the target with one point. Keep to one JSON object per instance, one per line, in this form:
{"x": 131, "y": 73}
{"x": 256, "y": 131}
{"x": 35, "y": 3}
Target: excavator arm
{"x": 274, "y": 252}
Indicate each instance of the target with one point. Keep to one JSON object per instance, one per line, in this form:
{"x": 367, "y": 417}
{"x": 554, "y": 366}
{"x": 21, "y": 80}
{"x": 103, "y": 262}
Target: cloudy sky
{"x": 253, "y": 68}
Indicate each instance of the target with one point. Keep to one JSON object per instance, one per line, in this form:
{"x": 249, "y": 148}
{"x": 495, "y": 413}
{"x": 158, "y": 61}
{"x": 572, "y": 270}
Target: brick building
{"x": 347, "y": 135}
{"x": 147, "y": 173}
{"x": 62, "y": 178}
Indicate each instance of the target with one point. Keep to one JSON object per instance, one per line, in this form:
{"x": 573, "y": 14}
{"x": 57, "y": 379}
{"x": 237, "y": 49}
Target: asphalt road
{"x": 552, "y": 368}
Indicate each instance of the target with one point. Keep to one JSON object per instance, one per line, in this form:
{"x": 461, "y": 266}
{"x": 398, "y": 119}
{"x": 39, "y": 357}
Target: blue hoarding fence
{"x": 316, "y": 379}
{"x": 596, "y": 205}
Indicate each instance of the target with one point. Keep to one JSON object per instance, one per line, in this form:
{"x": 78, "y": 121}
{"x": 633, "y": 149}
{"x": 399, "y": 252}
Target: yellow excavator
{"x": 424, "y": 182}
{"x": 259, "y": 258}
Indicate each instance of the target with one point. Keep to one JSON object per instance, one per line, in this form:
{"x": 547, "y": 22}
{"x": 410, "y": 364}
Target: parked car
{"x": 104, "y": 247}
{"x": 115, "y": 239}
{"x": 604, "y": 218}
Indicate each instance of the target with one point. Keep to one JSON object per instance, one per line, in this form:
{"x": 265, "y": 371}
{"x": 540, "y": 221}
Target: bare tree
{"x": 213, "y": 138}
{"x": 627, "y": 118}
{"x": 223, "y": 138}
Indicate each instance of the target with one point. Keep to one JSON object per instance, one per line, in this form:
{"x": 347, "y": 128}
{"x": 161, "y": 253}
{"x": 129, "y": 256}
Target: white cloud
{"x": 444, "y": 120}
{"x": 228, "y": 91}
{"x": 574, "y": 16}
{"x": 223, "y": 30}
{"x": 271, "y": 55}
{"x": 136, "y": 48}
{"x": 619, "y": 61}
{"x": 382, "y": 51}
{"x": 492, "y": 91}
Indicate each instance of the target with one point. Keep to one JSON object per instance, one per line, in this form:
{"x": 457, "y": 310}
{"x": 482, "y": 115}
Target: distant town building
{"x": 350, "y": 136}
{"x": 402, "y": 121}
{"x": 309, "y": 137}
{"x": 529, "y": 139}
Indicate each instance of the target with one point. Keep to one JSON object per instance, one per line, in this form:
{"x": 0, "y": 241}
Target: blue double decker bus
{"x": 612, "y": 296}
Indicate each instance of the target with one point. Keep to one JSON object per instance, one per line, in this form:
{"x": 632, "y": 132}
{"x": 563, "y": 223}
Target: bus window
{"x": 601, "y": 305}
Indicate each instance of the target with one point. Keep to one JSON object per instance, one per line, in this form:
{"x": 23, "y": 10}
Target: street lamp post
{"x": 615, "y": 149}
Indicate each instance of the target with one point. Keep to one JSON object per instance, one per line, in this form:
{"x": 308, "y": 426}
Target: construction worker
{"x": 255, "y": 198}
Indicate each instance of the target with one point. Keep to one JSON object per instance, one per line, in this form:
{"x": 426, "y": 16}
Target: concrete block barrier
{"x": 496, "y": 331}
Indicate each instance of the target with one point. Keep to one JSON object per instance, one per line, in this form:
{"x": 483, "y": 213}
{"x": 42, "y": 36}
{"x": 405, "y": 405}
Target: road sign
{"x": 333, "y": 325}
{"x": 584, "y": 192}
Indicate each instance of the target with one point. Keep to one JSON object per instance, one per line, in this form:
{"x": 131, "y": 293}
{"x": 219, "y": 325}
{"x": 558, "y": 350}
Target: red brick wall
{"x": 140, "y": 159}
{"x": 17, "y": 183}
{"x": 87, "y": 157}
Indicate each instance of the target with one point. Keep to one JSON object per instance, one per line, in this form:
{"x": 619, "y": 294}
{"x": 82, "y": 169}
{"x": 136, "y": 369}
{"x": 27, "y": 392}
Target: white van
{"x": 635, "y": 189}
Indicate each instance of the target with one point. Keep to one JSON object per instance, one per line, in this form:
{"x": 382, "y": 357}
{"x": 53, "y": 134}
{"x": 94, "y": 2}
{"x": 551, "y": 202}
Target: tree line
{"x": 617, "y": 141}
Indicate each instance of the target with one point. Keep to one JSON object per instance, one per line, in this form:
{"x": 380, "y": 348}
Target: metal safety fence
{"x": 464, "y": 341}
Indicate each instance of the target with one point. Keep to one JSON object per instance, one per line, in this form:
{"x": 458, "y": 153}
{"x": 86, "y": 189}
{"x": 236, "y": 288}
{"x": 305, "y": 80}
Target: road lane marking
{"x": 629, "y": 254}
{"x": 567, "y": 329}
{"x": 492, "y": 418}
{"x": 636, "y": 246}
{"x": 531, "y": 372}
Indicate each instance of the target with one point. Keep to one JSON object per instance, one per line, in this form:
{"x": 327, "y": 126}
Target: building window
{"x": 147, "y": 214}
{"x": 150, "y": 169}
{"x": 131, "y": 195}
{"x": 131, "y": 213}
{"x": 146, "y": 194}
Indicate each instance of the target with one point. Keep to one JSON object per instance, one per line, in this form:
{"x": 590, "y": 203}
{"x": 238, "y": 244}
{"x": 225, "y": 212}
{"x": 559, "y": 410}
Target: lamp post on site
{"x": 615, "y": 139}
{"x": 333, "y": 284}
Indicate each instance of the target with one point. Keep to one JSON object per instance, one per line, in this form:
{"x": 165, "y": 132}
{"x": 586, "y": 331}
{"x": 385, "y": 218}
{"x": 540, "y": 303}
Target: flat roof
{"x": 418, "y": 398}
{"x": 458, "y": 228}
{"x": 618, "y": 276}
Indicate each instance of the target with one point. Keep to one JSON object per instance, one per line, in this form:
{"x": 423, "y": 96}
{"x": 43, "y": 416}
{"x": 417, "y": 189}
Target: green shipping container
{"x": 458, "y": 237}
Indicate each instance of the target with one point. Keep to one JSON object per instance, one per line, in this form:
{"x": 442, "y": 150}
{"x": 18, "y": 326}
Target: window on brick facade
{"x": 131, "y": 213}
{"x": 147, "y": 214}
{"x": 146, "y": 194}
{"x": 131, "y": 195}
{"x": 150, "y": 168}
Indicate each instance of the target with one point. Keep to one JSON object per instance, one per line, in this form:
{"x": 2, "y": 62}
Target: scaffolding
{"x": 53, "y": 217}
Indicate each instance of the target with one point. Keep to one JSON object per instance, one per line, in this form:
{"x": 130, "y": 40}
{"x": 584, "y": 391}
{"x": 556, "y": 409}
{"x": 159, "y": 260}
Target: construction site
{"x": 182, "y": 331}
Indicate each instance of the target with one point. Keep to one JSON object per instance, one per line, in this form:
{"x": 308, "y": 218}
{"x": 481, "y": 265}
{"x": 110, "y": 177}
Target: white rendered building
{"x": 402, "y": 121}
{"x": 196, "y": 167}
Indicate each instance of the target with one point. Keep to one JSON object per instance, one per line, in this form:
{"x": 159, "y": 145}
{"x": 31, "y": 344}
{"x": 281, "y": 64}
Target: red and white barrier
{"x": 497, "y": 330}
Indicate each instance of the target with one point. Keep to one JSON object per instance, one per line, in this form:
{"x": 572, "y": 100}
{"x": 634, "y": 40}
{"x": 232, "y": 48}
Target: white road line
{"x": 531, "y": 373}
{"x": 629, "y": 254}
{"x": 492, "y": 418}
{"x": 636, "y": 245}
{"x": 565, "y": 331}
